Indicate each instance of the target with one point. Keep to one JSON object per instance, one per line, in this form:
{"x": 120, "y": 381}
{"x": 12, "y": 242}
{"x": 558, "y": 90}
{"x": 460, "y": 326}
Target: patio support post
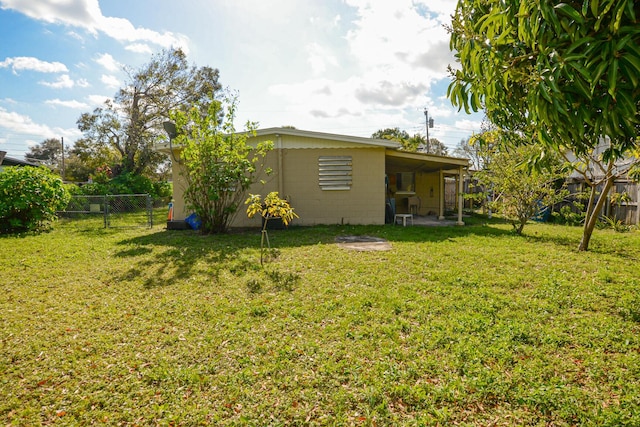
{"x": 441, "y": 196}
{"x": 460, "y": 199}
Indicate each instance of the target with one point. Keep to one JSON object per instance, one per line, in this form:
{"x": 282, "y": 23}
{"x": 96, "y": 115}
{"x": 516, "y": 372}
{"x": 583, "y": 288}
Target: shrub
{"x": 126, "y": 183}
{"x": 568, "y": 216}
{"x": 29, "y": 198}
{"x": 162, "y": 189}
{"x": 129, "y": 183}
{"x": 94, "y": 189}
{"x": 219, "y": 165}
{"x": 615, "y": 224}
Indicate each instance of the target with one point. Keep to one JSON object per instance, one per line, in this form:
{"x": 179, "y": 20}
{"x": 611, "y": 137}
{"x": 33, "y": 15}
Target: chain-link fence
{"x": 111, "y": 210}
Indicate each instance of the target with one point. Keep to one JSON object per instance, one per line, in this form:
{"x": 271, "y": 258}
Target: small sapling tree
{"x": 272, "y": 207}
{"x": 520, "y": 192}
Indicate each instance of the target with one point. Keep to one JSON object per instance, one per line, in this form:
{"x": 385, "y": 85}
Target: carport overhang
{"x": 397, "y": 160}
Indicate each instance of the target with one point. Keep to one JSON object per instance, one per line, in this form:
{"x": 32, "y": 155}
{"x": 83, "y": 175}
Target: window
{"x": 335, "y": 172}
{"x": 406, "y": 182}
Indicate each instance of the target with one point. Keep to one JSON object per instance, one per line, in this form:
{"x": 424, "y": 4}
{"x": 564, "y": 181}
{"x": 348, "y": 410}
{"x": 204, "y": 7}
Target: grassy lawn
{"x": 453, "y": 326}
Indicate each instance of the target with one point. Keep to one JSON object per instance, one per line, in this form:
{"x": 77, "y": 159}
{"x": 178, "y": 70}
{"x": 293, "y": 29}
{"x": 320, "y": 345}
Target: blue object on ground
{"x": 194, "y": 221}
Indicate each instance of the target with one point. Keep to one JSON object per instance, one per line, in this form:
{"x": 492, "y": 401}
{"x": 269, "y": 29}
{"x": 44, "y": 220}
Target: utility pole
{"x": 428, "y": 124}
{"x": 62, "y": 141}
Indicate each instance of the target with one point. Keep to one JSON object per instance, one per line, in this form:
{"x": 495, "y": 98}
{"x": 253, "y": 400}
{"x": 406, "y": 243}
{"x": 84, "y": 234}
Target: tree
{"x": 480, "y": 147}
{"x": 394, "y": 134}
{"x": 30, "y": 198}
{"x": 435, "y": 146}
{"x": 415, "y": 143}
{"x": 566, "y": 74}
{"x": 467, "y": 149}
{"x": 85, "y": 157}
{"x": 128, "y": 125}
{"x": 271, "y": 207}
{"x": 219, "y": 165}
{"x": 48, "y": 152}
{"x": 519, "y": 192}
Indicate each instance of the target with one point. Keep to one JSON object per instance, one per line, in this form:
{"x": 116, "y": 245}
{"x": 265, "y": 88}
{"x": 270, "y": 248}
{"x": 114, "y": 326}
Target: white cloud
{"x": 469, "y": 125}
{"x": 88, "y": 15}
{"x": 139, "y": 48}
{"x": 110, "y": 81}
{"x": 108, "y": 62}
{"x": 63, "y": 82}
{"x": 21, "y": 63}
{"x": 395, "y": 36}
{"x": 389, "y": 58}
{"x": 82, "y": 83}
{"x": 24, "y": 125}
{"x": 97, "y": 100}
{"x": 76, "y": 36}
{"x": 320, "y": 57}
{"x": 68, "y": 104}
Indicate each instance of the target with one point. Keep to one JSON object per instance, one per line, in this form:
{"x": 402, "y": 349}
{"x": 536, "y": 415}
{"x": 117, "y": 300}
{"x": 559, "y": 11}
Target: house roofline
{"x": 457, "y": 161}
{"x": 11, "y": 161}
{"x": 375, "y": 142}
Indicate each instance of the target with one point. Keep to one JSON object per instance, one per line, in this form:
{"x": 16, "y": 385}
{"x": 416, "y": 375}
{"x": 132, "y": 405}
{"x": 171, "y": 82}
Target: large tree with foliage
{"x": 566, "y": 74}
{"x": 394, "y": 134}
{"x": 219, "y": 165}
{"x": 414, "y": 143}
{"x": 48, "y": 153}
{"x": 86, "y": 157}
{"x": 128, "y": 125}
{"x": 435, "y": 146}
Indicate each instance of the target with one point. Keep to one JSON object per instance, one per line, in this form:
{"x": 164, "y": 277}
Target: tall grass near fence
{"x": 469, "y": 326}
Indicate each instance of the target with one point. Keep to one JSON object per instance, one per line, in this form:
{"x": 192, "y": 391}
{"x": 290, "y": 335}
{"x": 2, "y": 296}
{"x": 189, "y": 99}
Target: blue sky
{"x": 339, "y": 66}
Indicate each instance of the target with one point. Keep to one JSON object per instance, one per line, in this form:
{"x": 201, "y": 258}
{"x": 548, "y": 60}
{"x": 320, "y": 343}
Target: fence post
{"x": 106, "y": 211}
{"x": 149, "y": 211}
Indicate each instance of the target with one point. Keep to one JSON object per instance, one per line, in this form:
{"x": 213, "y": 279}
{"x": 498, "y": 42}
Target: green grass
{"x": 470, "y": 326}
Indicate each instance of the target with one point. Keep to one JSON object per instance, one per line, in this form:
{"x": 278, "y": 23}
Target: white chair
{"x": 414, "y": 204}
{"x": 404, "y": 218}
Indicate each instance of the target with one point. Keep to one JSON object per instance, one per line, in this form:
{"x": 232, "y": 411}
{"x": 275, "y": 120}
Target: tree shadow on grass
{"x": 617, "y": 245}
{"x": 568, "y": 242}
{"x": 163, "y": 257}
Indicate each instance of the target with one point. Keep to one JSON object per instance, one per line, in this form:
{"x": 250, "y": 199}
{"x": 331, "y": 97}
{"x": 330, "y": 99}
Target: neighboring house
{"x": 628, "y": 210}
{"x": 9, "y": 161}
{"x": 340, "y": 179}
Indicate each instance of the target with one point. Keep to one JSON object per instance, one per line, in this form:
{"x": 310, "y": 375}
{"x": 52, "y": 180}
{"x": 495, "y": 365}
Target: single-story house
{"x": 10, "y": 161}
{"x": 340, "y": 179}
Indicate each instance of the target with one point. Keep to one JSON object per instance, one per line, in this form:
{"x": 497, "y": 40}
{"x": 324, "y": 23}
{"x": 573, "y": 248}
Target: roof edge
{"x": 462, "y": 161}
{"x": 332, "y": 136}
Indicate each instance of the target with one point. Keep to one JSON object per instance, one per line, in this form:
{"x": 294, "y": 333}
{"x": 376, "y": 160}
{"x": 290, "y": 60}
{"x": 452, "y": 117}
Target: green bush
{"x": 126, "y": 183}
{"x": 567, "y": 216}
{"x": 29, "y": 198}
{"x": 94, "y": 189}
{"x": 163, "y": 189}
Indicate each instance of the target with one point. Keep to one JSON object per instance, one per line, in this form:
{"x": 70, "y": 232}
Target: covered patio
{"x": 415, "y": 184}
